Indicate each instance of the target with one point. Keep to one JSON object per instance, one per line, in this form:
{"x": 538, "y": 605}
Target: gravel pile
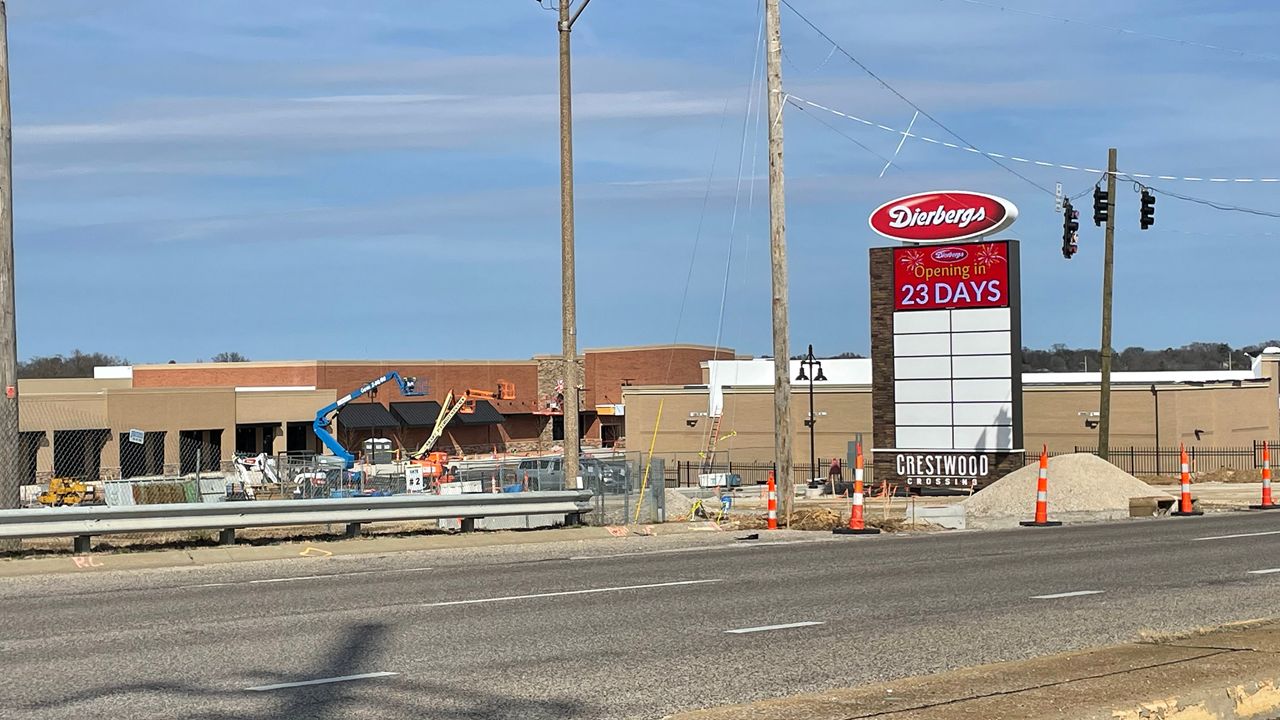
{"x": 678, "y": 505}
{"x": 1080, "y": 482}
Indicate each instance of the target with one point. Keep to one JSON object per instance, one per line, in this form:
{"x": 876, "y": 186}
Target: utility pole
{"x": 1108, "y": 263}
{"x": 10, "y": 447}
{"x": 568, "y": 289}
{"x": 778, "y": 257}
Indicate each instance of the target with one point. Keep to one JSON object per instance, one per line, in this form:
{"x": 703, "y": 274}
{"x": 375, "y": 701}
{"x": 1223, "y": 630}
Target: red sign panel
{"x": 968, "y": 275}
{"x": 943, "y": 216}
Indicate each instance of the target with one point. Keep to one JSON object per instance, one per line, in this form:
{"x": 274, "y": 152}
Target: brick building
{"x": 201, "y": 414}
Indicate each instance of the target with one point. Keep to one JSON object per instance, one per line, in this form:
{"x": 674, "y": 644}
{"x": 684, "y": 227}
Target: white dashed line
{"x": 766, "y": 628}
{"x": 1241, "y": 535}
{"x": 1268, "y": 571}
{"x": 1076, "y": 593}
{"x": 618, "y": 588}
{"x": 321, "y": 681}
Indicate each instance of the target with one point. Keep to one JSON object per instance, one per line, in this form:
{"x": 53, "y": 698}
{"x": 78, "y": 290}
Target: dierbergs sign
{"x": 943, "y": 216}
{"x": 973, "y": 275}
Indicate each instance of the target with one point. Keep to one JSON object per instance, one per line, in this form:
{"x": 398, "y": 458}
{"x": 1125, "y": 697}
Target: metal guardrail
{"x": 83, "y": 522}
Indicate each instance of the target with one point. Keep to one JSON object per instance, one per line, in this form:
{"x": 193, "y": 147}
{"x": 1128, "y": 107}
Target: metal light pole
{"x": 812, "y": 363}
{"x": 569, "y": 303}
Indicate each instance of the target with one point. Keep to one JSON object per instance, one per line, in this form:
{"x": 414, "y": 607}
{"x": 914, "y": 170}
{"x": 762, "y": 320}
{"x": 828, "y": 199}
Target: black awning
{"x": 485, "y": 414}
{"x": 366, "y": 415}
{"x": 417, "y": 414}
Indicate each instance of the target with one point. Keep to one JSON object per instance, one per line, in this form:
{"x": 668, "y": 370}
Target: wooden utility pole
{"x": 1108, "y": 262}
{"x": 10, "y": 448}
{"x": 568, "y": 284}
{"x": 778, "y": 257}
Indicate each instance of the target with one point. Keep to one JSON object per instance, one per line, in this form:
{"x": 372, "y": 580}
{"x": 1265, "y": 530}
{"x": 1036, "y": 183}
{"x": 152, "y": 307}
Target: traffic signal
{"x": 1148, "y": 209}
{"x": 1070, "y": 225}
{"x": 1100, "y": 202}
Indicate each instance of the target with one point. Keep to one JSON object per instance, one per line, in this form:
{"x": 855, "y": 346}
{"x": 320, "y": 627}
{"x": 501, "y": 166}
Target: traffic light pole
{"x": 1108, "y": 262}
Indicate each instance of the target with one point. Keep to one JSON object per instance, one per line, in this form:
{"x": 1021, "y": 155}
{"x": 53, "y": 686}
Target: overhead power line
{"x": 884, "y": 83}
{"x": 1209, "y": 203}
{"x": 796, "y": 101}
{"x": 1127, "y": 31}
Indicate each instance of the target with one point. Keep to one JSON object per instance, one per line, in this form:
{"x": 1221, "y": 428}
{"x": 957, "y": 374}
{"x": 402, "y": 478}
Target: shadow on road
{"x": 404, "y": 695}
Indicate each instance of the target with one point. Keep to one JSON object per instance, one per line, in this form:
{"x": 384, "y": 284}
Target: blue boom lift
{"x": 325, "y": 415}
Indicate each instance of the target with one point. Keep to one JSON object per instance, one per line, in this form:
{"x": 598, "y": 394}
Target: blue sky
{"x": 380, "y": 179}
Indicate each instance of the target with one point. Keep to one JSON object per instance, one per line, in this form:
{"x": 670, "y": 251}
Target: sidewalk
{"x": 1226, "y": 674}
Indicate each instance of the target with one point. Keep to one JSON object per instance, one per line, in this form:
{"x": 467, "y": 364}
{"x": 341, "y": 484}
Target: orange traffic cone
{"x": 857, "y": 523}
{"x": 1185, "y": 506}
{"x": 1042, "y": 495}
{"x": 1266, "y": 481}
{"x": 773, "y": 503}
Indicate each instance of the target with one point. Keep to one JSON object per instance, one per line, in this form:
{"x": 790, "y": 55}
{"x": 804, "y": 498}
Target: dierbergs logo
{"x": 905, "y": 217}
{"x": 942, "y": 216}
{"x": 950, "y": 255}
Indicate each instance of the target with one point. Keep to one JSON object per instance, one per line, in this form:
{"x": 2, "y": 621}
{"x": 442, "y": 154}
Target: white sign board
{"x": 413, "y": 479}
{"x": 137, "y": 436}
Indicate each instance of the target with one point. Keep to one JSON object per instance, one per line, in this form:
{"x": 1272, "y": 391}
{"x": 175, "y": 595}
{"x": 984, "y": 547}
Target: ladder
{"x": 709, "y": 453}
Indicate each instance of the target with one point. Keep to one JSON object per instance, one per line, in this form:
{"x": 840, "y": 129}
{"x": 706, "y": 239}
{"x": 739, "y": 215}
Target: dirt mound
{"x": 678, "y": 505}
{"x": 817, "y": 519}
{"x": 1080, "y": 482}
{"x": 1227, "y": 475}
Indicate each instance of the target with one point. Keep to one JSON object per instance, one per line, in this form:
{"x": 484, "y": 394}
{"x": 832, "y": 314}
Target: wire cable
{"x": 1208, "y": 203}
{"x": 794, "y": 99}
{"x": 907, "y": 100}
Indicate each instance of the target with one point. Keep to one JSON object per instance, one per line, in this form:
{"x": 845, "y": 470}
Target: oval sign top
{"x": 943, "y": 216}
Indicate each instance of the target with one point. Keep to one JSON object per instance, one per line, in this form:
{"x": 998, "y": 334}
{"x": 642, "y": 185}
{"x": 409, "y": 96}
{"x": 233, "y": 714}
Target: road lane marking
{"x": 479, "y": 601}
{"x": 322, "y": 681}
{"x": 299, "y": 577}
{"x": 766, "y": 628}
{"x": 709, "y": 548}
{"x": 1241, "y": 535}
{"x": 1075, "y": 593}
{"x": 1268, "y": 571}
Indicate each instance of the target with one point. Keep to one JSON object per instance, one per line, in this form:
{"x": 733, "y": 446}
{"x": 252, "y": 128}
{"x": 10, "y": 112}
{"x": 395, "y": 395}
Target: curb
{"x": 1231, "y": 673}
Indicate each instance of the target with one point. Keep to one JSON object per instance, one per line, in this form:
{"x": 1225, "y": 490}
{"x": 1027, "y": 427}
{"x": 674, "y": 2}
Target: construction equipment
{"x": 66, "y": 491}
{"x": 433, "y": 463}
{"x": 325, "y": 415}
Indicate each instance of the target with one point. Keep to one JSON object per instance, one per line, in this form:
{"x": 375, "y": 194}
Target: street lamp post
{"x": 812, "y": 364}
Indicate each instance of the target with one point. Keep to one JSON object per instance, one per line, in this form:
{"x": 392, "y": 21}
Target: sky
{"x": 380, "y": 179}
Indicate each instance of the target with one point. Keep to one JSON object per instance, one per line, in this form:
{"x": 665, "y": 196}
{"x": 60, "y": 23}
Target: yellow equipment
{"x": 66, "y": 491}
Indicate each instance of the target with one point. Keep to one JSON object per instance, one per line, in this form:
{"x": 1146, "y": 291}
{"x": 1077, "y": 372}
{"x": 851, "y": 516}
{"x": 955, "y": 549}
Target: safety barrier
{"x": 85, "y": 522}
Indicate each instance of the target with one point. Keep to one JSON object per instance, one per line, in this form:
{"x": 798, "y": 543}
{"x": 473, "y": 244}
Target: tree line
{"x": 81, "y": 364}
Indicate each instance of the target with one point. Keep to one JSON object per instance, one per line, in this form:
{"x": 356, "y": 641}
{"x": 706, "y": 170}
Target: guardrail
{"x": 83, "y": 523}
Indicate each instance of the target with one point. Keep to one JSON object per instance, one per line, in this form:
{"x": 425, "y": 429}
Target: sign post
{"x": 946, "y": 343}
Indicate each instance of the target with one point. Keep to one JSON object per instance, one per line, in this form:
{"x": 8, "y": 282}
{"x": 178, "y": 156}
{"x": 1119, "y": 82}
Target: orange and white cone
{"x": 1185, "y": 505}
{"x": 1267, "y": 504}
{"x": 773, "y": 503}
{"x": 1042, "y": 495}
{"x": 857, "y": 523}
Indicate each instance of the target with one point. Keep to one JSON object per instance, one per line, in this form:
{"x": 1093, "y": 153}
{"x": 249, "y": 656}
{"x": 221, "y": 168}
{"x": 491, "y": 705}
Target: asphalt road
{"x": 614, "y": 631}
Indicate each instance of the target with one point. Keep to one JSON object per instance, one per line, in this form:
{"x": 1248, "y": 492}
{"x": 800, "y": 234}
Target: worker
{"x": 835, "y": 474}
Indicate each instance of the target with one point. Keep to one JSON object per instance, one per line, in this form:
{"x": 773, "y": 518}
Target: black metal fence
{"x": 1168, "y": 460}
{"x": 1133, "y": 460}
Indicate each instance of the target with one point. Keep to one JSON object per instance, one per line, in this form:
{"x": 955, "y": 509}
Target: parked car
{"x": 547, "y": 473}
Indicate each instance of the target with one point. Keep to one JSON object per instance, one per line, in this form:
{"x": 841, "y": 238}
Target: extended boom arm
{"x": 324, "y": 416}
